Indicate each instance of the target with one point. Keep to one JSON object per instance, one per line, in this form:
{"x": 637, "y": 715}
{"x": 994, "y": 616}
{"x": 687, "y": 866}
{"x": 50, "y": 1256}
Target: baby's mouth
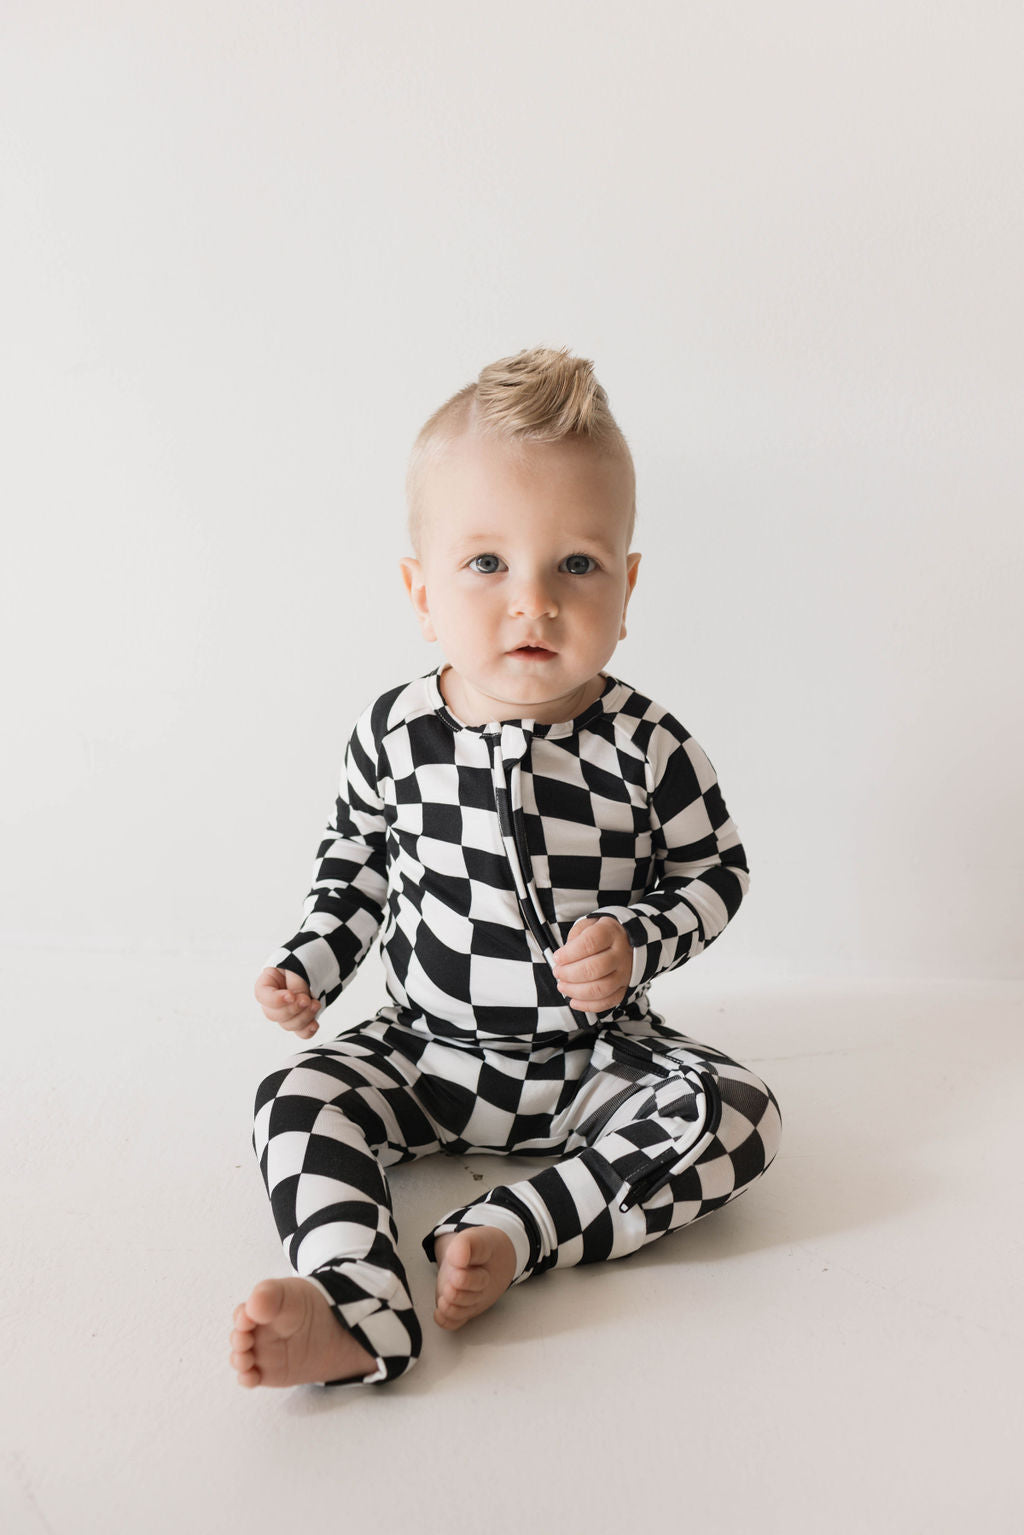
{"x": 532, "y": 652}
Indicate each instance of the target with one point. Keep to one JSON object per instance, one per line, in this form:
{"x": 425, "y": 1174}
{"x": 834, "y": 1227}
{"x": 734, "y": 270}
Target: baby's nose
{"x": 533, "y": 599}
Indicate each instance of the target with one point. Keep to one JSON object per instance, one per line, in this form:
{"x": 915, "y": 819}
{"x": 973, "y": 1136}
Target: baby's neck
{"x": 463, "y": 705}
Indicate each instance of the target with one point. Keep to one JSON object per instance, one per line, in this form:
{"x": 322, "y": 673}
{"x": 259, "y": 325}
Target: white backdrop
{"x": 248, "y": 248}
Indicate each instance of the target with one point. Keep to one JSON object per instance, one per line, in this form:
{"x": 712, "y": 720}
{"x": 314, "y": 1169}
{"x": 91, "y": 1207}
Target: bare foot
{"x": 475, "y": 1267}
{"x": 286, "y": 1334}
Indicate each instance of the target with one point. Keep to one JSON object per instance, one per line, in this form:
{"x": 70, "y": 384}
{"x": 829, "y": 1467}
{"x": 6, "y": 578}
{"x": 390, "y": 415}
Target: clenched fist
{"x": 285, "y": 1000}
{"x": 594, "y": 965}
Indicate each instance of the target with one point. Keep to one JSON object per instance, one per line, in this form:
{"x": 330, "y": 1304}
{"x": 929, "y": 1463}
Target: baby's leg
{"x": 327, "y": 1124}
{"x": 665, "y": 1130}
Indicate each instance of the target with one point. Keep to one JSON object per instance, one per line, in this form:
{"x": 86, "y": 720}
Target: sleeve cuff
{"x": 284, "y": 959}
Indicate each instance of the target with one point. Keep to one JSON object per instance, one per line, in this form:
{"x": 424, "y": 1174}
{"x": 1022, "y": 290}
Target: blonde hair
{"x": 539, "y": 395}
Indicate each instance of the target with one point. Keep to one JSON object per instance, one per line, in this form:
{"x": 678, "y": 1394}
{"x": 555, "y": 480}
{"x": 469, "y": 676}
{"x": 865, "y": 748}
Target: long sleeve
{"x": 701, "y": 868}
{"x": 345, "y": 906}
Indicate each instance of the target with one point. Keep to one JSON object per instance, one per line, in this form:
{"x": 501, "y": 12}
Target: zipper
{"x": 515, "y": 853}
{"x": 595, "y": 1122}
{"x": 660, "y": 1168}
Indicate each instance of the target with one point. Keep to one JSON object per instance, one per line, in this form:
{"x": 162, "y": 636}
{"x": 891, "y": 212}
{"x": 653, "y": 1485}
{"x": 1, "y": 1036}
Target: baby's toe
{"x": 266, "y": 1301}
{"x": 459, "y": 1306}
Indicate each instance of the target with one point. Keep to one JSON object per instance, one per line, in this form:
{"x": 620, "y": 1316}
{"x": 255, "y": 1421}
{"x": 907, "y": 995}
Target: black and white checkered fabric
{"x": 477, "y": 848}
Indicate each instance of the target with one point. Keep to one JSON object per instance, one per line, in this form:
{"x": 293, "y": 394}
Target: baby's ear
{"x": 632, "y": 570}
{"x": 416, "y": 586}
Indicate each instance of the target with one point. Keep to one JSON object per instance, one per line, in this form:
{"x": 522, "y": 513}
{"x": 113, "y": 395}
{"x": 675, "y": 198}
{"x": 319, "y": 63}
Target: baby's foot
{"x": 286, "y": 1334}
{"x": 475, "y": 1267}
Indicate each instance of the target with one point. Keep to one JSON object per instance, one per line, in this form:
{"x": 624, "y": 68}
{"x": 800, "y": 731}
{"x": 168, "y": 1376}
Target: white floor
{"x": 839, "y": 1350}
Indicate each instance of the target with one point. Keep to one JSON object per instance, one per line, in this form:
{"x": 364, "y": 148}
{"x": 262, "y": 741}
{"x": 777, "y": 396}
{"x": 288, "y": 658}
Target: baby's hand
{"x": 285, "y": 999}
{"x": 594, "y": 966}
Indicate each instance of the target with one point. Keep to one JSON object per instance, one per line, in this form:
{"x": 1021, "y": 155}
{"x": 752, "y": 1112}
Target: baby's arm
{"x": 702, "y": 873}
{"x": 345, "y": 905}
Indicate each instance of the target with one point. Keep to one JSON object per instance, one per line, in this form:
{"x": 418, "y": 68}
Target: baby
{"x": 535, "y": 841}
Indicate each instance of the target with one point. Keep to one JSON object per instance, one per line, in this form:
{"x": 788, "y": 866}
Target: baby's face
{"x": 524, "y": 575}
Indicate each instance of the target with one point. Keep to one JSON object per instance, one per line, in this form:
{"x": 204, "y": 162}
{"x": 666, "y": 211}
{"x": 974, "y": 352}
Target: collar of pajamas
{"x": 473, "y": 850}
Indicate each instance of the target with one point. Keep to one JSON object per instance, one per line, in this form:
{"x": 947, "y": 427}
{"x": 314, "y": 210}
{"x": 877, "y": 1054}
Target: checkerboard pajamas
{"x": 473, "y": 850}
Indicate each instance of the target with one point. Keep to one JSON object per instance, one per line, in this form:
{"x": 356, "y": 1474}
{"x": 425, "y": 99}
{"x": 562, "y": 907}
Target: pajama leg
{"x": 327, "y": 1123}
{"x": 662, "y": 1131}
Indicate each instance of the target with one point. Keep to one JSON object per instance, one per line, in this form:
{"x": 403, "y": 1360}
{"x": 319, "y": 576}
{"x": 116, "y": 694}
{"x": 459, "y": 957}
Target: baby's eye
{"x": 575, "y": 570}
{"x": 487, "y": 569}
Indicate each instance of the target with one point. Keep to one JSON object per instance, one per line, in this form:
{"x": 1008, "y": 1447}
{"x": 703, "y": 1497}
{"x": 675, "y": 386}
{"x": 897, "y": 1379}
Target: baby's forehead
{"x": 472, "y": 488}
{"x": 460, "y": 528}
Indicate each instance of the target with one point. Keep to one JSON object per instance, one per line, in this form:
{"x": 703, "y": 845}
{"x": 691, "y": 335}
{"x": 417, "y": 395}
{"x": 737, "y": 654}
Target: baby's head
{"x": 522, "y": 500}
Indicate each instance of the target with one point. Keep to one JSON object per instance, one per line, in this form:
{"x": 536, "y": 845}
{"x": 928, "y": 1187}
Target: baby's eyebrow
{"x": 477, "y": 539}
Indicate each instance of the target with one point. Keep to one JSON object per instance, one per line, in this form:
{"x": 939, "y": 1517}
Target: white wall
{"x": 248, "y": 248}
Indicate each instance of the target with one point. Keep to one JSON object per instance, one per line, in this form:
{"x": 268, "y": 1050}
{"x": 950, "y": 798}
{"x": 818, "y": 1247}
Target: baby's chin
{"x": 519, "y": 690}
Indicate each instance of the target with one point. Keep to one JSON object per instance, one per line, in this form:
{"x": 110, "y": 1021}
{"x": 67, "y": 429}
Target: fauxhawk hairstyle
{"x": 539, "y": 395}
